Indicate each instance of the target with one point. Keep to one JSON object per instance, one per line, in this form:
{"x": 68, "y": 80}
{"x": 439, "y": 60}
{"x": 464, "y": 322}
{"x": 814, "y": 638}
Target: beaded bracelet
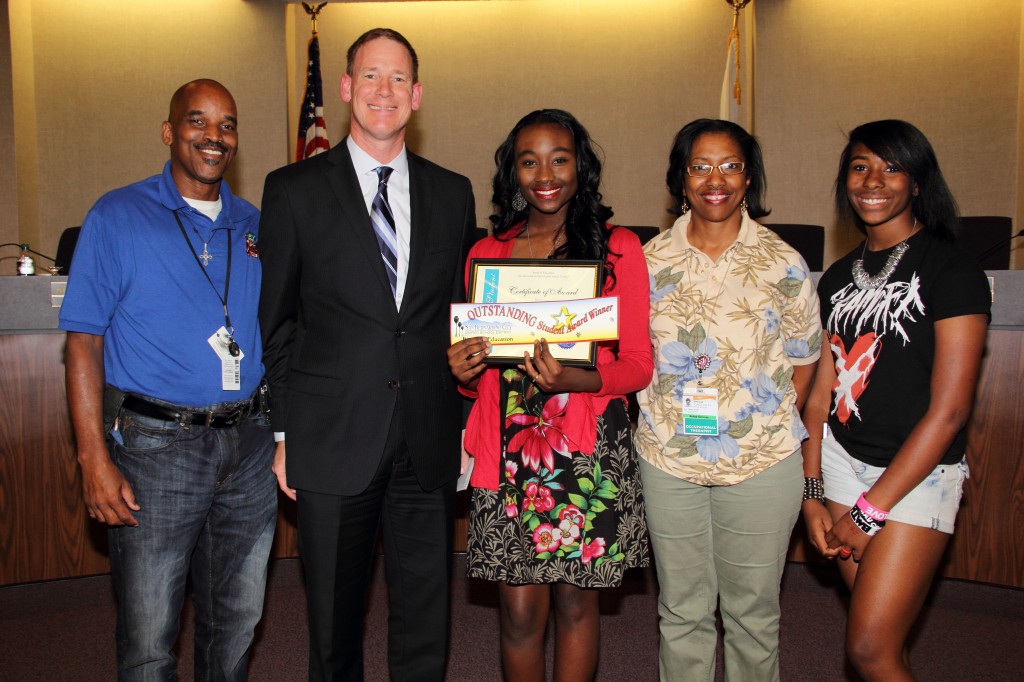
{"x": 864, "y": 522}
{"x": 814, "y": 489}
{"x": 870, "y": 510}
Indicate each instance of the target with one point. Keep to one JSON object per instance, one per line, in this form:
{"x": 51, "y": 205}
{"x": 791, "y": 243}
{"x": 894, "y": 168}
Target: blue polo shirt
{"x": 137, "y": 284}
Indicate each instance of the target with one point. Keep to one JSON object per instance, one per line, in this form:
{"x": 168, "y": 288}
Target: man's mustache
{"x": 219, "y": 146}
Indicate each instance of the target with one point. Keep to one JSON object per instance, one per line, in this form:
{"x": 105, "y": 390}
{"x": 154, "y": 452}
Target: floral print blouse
{"x": 754, "y": 311}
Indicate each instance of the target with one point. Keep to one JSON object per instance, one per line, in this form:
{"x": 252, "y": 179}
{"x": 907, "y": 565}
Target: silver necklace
{"x": 554, "y": 242}
{"x": 205, "y": 256}
{"x": 865, "y": 281}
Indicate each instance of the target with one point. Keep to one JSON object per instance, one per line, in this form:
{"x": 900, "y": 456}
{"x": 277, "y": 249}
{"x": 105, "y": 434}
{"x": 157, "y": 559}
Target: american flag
{"x": 312, "y": 129}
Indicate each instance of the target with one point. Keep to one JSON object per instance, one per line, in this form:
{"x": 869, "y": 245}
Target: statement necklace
{"x": 865, "y": 281}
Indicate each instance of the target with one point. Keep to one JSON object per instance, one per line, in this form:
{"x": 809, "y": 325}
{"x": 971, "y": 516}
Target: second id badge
{"x": 700, "y": 411}
{"x": 230, "y": 365}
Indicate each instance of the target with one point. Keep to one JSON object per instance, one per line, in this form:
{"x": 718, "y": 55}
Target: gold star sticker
{"x": 563, "y": 318}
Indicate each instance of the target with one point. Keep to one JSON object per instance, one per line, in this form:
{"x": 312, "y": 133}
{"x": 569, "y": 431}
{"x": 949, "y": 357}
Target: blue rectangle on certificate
{"x": 490, "y": 285}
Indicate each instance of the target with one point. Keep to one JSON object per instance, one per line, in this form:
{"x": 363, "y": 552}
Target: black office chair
{"x": 645, "y": 232}
{"x": 808, "y": 240}
{"x": 66, "y": 249}
{"x": 987, "y": 238}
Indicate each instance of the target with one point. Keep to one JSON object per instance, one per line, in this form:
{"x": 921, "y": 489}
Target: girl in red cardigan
{"x": 557, "y": 508}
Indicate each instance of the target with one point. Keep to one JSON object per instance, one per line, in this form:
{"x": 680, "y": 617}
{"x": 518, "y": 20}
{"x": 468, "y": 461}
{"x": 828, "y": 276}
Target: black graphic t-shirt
{"x": 883, "y": 342}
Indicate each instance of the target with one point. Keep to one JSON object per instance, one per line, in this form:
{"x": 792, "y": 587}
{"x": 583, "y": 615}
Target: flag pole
{"x": 313, "y": 12}
{"x": 312, "y": 139}
{"x": 734, "y": 41}
{"x": 731, "y": 97}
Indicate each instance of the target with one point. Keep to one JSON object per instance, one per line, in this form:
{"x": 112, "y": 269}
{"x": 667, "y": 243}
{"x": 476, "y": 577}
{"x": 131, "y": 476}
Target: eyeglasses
{"x": 703, "y": 170}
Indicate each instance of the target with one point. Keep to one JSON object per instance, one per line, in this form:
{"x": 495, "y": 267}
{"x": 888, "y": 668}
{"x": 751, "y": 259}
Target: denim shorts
{"x": 932, "y": 504}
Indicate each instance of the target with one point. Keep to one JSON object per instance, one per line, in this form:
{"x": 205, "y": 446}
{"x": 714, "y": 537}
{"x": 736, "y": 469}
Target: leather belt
{"x": 219, "y": 419}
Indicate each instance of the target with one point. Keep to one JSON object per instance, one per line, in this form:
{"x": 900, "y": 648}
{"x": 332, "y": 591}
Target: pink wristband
{"x": 871, "y": 511}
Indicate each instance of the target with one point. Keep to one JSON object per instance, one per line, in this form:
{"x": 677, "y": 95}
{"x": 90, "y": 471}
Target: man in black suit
{"x": 359, "y": 267}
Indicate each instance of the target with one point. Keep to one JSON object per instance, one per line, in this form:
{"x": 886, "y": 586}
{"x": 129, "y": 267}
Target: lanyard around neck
{"x": 227, "y": 278}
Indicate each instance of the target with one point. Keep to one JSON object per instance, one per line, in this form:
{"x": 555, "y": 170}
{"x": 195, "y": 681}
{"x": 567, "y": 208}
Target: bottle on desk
{"x": 26, "y": 266}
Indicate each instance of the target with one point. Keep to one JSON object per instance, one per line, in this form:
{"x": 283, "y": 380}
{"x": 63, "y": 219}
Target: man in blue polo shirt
{"x": 164, "y": 371}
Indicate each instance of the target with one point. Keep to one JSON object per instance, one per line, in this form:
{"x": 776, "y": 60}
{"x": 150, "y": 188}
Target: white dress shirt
{"x": 398, "y": 197}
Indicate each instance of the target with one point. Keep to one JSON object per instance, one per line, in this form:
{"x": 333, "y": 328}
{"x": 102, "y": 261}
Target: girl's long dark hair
{"x": 586, "y": 236}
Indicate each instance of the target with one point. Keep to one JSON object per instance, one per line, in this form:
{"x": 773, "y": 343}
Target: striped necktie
{"x": 384, "y": 226}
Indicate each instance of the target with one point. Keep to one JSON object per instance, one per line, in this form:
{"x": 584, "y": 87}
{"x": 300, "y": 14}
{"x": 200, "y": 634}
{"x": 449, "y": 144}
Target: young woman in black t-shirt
{"x": 905, "y": 317}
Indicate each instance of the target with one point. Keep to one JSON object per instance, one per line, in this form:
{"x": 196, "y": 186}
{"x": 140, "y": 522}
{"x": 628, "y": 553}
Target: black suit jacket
{"x": 338, "y": 355}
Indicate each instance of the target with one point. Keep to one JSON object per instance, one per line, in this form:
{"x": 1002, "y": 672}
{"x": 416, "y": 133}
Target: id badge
{"x": 230, "y": 365}
{"x": 700, "y": 411}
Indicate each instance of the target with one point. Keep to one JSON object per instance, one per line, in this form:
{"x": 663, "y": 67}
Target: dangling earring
{"x": 685, "y": 206}
{"x": 743, "y": 206}
{"x": 518, "y": 202}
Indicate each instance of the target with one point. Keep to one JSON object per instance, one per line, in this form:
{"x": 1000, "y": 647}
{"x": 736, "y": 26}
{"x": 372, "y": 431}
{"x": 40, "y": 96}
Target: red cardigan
{"x": 625, "y": 365}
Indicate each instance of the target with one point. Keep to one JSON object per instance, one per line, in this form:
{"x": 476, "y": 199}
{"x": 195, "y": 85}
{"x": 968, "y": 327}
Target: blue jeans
{"x": 209, "y": 503}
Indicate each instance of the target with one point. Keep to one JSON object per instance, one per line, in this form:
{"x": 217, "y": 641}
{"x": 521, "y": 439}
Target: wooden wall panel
{"x": 989, "y": 541}
{"x": 46, "y": 534}
{"x": 44, "y": 530}
{"x": 286, "y": 538}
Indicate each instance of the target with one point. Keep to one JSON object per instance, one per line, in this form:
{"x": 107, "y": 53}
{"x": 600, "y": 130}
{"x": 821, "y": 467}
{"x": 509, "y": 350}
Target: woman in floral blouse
{"x": 557, "y": 508}
{"x": 735, "y": 329}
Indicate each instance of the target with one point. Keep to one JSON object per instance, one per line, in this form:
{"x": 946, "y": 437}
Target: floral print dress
{"x": 558, "y": 515}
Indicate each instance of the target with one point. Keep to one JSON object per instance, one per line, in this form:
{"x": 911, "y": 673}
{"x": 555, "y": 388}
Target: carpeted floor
{"x": 63, "y": 630}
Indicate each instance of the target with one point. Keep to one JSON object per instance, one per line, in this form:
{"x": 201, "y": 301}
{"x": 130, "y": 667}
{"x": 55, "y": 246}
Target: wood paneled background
{"x": 46, "y": 534}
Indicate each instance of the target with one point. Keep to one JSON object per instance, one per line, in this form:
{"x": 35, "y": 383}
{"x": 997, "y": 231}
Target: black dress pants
{"x": 336, "y": 539}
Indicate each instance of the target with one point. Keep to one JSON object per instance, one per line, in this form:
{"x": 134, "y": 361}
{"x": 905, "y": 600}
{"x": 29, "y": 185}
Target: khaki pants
{"x": 721, "y": 545}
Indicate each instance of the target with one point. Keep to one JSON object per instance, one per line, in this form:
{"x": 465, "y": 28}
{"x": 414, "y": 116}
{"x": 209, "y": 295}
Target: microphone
{"x": 54, "y": 269}
{"x": 52, "y": 260}
{"x": 43, "y": 255}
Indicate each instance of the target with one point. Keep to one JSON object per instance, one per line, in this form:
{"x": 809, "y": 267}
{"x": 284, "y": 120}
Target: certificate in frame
{"x": 528, "y": 280}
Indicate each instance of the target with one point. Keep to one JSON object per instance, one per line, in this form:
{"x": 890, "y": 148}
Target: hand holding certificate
{"x": 569, "y": 326}
{"x": 517, "y": 302}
